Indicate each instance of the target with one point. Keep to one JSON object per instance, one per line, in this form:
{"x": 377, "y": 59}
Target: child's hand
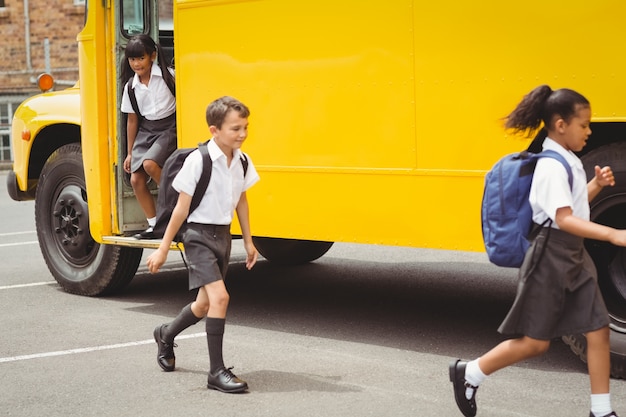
{"x": 618, "y": 238}
{"x": 252, "y": 254}
{"x": 604, "y": 176}
{"x": 127, "y": 164}
{"x": 156, "y": 260}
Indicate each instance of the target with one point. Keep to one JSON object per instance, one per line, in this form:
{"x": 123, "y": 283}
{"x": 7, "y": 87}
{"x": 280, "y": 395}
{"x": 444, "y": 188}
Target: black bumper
{"x": 14, "y": 192}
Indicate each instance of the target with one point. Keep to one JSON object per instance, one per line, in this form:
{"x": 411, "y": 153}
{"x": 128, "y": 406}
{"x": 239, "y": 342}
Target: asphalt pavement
{"x": 364, "y": 331}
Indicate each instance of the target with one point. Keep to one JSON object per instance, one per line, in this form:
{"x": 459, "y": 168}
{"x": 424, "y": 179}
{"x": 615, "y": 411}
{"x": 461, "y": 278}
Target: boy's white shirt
{"x": 550, "y": 188}
{"x": 155, "y": 100}
{"x": 225, "y": 187}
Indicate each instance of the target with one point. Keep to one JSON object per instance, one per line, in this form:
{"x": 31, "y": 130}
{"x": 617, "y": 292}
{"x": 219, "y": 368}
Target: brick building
{"x": 37, "y": 36}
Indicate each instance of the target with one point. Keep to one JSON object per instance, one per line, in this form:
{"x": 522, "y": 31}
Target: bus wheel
{"x": 608, "y": 208}
{"x": 290, "y": 251}
{"x": 78, "y": 263}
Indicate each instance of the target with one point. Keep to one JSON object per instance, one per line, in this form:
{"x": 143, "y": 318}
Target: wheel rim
{"x": 70, "y": 225}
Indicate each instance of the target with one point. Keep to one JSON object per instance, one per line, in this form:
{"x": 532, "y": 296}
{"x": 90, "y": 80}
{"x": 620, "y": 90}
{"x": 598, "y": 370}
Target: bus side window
{"x": 133, "y": 18}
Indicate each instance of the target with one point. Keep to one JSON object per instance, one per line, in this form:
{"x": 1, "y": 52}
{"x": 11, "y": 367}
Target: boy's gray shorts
{"x": 207, "y": 250}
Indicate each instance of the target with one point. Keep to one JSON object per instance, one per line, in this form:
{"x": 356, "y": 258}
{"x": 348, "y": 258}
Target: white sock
{"x": 601, "y": 404}
{"x": 474, "y": 376}
{"x": 151, "y": 222}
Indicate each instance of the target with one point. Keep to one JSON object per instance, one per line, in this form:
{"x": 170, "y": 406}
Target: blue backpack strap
{"x": 555, "y": 155}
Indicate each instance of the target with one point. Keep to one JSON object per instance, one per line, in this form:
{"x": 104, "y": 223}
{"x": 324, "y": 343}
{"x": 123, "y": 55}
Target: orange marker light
{"x": 45, "y": 82}
{"x": 26, "y": 135}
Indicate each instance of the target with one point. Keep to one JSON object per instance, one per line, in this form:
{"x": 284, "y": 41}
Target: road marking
{"x": 32, "y": 284}
{"x": 18, "y": 243}
{"x": 17, "y": 233}
{"x": 92, "y": 349}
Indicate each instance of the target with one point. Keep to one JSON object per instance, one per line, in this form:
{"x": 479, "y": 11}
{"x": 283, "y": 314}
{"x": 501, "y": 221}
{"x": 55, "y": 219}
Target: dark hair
{"x": 136, "y": 47}
{"x": 216, "y": 111}
{"x": 544, "y": 105}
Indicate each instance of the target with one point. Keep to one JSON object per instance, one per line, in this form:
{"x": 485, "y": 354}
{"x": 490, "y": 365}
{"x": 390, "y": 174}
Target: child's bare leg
{"x": 218, "y": 299}
{"x": 466, "y": 377}
{"x": 142, "y": 193}
{"x": 211, "y": 300}
{"x": 200, "y": 307}
{"x": 153, "y": 170}
{"x": 510, "y": 352}
{"x": 599, "y": 360}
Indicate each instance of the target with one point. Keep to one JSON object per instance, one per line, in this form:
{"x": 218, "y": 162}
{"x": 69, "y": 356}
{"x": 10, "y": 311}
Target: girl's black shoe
{"x": 457, "y": 376}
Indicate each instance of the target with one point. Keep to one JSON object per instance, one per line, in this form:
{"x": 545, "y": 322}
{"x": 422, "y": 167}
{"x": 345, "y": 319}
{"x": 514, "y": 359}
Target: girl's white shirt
{"x": 155, "y": 100}
{"x": 550, "y": 188}
{"x": 225, "y": 187}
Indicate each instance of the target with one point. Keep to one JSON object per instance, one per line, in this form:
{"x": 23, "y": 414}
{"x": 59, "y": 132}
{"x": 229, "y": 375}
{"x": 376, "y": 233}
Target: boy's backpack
{"x": 506, "y": 213}
{"x": 168, "y": 196}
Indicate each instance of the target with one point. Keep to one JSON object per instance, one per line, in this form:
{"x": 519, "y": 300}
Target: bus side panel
{"x": 476, "y": 60}
{"x": 384, "y": 113}
{"x": 320, "y": 89}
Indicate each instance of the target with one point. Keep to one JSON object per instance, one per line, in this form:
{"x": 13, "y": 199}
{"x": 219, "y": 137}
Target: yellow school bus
{"x": 372, "y": 122}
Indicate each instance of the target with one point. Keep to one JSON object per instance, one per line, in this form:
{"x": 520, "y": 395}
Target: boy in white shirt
{"x": 207, "y": 238}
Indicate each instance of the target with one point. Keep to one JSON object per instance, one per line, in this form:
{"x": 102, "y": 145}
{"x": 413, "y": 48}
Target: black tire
{"x": 290, "y": 251}
{"x": 608, "y": 208}
{"x": 78, "y": 263}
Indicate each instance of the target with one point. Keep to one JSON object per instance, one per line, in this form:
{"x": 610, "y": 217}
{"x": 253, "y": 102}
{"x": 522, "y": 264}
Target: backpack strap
{"x": 133, "y": 98}
{"x": 171, "y": 84}
{"x": 244, "y": 163}
{"x": 555, "y": 155}
{"x": 205, "y": 177}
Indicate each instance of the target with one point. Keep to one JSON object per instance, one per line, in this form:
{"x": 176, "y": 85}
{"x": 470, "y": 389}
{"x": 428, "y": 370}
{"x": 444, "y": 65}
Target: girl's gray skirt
{"x": 207, "y": 250}
{"x": 155, "y": 140}
{"x": 557, "y": 292}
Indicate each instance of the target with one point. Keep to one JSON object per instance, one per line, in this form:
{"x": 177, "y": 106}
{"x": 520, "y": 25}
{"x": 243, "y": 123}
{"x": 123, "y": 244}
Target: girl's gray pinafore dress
{"x": 557, "y": 291}
{"x": 155, "y": 140}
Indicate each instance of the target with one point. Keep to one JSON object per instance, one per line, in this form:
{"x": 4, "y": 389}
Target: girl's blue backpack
{"x": 506, "y": 214}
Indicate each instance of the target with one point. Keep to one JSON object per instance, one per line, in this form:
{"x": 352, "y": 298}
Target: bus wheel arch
{"x": 290, "y": 251}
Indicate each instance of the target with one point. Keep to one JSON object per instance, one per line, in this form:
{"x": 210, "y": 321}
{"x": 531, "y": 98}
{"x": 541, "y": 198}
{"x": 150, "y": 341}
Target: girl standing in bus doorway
{"x": 557, "y": 292}
{"x": 150, "y": 102}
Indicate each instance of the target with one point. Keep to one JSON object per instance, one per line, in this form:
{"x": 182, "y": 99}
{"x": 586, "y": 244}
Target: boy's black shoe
{"x": 146, "y": 234}
{"x": 165, "y": 354}
{"x": 457, "y": 376}
{"x": 224, "y": 380}
{"x": 612, "y": 414}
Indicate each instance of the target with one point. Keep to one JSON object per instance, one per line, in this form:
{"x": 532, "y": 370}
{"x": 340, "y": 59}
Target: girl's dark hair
{"x": 139, "y": 45}
{"x": 542, "y": 105}
{"x": 217, "y": 110}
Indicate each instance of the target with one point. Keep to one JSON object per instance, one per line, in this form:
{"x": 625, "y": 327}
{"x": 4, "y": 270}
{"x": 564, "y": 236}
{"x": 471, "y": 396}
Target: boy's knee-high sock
{"x": 185, "y": 319}
{"x": 214, "y": 337}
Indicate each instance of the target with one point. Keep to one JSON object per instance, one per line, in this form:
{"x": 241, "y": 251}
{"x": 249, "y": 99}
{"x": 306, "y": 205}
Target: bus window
{"x": 133, "y": 18}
